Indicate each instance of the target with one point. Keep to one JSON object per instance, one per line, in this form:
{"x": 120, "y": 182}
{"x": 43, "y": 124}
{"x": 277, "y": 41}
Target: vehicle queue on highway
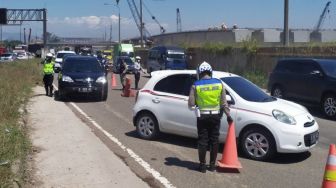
{"x": 265, "y": 125}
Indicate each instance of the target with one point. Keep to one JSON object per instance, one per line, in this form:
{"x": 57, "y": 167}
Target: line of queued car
{"x": 11, "y": 56}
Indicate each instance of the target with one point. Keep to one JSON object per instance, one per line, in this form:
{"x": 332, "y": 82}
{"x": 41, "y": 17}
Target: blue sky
{"x": 89, "y": 18}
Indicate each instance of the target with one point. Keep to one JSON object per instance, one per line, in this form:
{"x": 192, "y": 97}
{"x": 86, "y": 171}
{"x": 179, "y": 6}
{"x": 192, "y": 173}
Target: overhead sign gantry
{"x": 17, "y": 16}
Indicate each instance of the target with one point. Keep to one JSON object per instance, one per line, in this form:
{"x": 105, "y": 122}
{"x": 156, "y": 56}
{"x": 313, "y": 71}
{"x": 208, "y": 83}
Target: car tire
{"x": 147, "y": 126}
{"x": 278, "y": 91}
{"x": 328, "y": 105}
{"x": 103, "y": 95}
{"x": 60, "y": 95}
{"x": 257, "y": 144}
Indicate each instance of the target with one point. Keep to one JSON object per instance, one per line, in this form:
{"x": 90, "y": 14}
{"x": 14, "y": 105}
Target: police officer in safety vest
{"x": 208, "y": 97}
{"x": 48, "y": 74}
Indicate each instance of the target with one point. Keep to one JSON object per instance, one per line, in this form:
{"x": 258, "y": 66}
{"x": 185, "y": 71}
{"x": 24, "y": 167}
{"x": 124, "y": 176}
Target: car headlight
{"x": 101, "y": 79}
{"x": 66, "y": 79}
{"x": 283, "y": 117}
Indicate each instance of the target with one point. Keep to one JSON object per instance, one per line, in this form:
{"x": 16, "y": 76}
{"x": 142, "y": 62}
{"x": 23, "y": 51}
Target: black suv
{"x": 82, "y": 75}
{"x": 306, "y": 80}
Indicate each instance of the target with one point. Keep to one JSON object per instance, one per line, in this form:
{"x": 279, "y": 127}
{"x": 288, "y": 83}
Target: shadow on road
{"x": 174, "y": 161}
{"x": 280, "y": 158}
{"x": 83, "y": 98}
{"x": 170, "y": 139}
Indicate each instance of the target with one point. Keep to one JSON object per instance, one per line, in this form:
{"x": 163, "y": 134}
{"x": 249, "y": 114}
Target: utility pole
{"x": 111, "y": 34}
{"x": 141, "y": 24}
{"x": 286, "y": 30}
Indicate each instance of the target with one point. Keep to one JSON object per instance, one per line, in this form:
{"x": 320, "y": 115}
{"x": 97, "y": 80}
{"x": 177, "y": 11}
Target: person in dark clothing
{"x": 207, "y": 96}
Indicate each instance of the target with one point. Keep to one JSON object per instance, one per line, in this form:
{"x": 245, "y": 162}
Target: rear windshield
{"x": 247, "y": 90}
{"x": 81, "y": 65}
{"x": 175, "y": 54}
{"x": 61, "y": 55}
{"x": 6, "y": 55}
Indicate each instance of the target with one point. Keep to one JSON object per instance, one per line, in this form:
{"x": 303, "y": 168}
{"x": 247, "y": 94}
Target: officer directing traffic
{"x": 48, "y": 74}
{"x": 209, "y": 97}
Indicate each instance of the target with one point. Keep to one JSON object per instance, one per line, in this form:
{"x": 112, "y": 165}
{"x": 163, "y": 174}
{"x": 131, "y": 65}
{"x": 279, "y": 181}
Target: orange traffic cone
{"x": 230, "y": 155}
{"x": 329, "y": 180}
{"x": 113, "y": 80}
{"x": 128, "y": 92}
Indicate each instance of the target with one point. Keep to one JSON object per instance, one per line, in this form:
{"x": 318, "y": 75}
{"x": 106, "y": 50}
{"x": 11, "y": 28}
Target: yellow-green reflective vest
{"x": 208, "y": 94}
{"x": 48, "y": 67}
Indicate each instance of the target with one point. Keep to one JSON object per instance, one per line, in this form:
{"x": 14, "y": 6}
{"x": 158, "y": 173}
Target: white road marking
{"x": 130, "y": 152}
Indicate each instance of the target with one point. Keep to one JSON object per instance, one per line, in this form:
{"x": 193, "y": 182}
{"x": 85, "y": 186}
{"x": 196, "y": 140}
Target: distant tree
{"x": 52, "y": 37}
{"x": 11, "y": 43}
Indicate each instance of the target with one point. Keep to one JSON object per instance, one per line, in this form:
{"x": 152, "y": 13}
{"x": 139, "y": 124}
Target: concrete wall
{"x": 266, "y": 37}
{"x": 238, "y": 61}
{"x": 301, "y": 36}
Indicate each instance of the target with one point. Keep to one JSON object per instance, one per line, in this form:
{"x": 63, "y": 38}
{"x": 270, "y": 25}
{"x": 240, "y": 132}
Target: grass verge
{"x": 16, "y": 82}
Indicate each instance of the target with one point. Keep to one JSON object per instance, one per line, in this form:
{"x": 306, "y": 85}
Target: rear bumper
{"x": 68, "y": 89}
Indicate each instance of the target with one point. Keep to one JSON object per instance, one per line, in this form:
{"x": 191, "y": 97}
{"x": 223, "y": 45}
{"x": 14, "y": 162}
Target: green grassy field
{"x": 16, "y": 82}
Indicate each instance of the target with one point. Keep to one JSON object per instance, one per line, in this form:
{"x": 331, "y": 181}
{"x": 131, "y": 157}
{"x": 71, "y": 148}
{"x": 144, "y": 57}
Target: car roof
{"x": 165, "y": 73}
{"x": 305, "y": 59}
{"x": 78, "y": 57}
{"x": 63, "y": 51}
{"x": 167, "y": 48}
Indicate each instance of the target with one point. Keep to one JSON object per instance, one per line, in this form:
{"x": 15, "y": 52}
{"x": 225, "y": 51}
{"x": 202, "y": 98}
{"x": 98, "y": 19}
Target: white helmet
{"x": 203, "y": 67}
{"x": 138, "y": 57}
{"x": 49, "y": 55}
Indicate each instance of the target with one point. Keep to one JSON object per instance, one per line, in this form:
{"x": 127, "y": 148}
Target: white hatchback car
{"x": 264, "y": 125}
{"x": 59, "y": 59}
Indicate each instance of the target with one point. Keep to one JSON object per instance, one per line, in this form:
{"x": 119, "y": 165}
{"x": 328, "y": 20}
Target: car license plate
{"x": 314, "y": 137}
{"x": 84, "y": 90}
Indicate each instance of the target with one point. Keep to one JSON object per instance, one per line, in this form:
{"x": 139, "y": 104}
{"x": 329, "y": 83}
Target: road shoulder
{"x": 70, "y": 154}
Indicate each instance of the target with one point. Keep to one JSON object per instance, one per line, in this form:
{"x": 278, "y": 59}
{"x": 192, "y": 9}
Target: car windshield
{"x": 175, "y": 55}
{"x": 129, "y": 54}
{"x": 61, "y": 55}
{"x": 129, "y": 61}
{"x": 82, "y": 65}
{"x": 247, "y": 90}
{"x": 329, "y": 67}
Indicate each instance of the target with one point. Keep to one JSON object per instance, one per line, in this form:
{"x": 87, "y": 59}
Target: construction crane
{"x": 136, "y": 17}
{"x": 162, "y": 30}
{"x": 178, "y": 20}
{"x": 326, "y": 10}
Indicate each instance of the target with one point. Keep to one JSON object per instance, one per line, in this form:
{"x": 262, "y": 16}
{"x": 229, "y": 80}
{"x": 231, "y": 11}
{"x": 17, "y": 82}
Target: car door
{"x": 310, "y": 81}
{"x": 172, "y": 95}
{"x": 292, "y": 78}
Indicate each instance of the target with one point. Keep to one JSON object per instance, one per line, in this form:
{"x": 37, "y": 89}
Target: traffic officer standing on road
{"x": 209, "y": 97}
{"x": 138, "y": 68}
{"x": 48, "y": 71}
{"x": 123, "y": 71}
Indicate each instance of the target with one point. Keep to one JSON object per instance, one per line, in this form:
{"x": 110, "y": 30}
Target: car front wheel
{"x": 329, "y": 105}
{"x": 257, "y": 144}
{"x": 147, "y": 126}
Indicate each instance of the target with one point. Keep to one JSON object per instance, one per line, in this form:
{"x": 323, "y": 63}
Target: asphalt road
{"x": 176, "y": 158}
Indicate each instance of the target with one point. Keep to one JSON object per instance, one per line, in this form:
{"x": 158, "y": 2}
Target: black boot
{"x": 201, "y": 155}
{"x": 51, "y": 88}
{"x": 46, "y": 90}
{"x": 213, "y": 157}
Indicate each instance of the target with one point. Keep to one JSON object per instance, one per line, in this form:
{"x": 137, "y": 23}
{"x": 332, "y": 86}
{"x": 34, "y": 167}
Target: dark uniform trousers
{"x": 48, "y": 81}
{"x": 136, "y": 78}
{"x": 208, "y": 133}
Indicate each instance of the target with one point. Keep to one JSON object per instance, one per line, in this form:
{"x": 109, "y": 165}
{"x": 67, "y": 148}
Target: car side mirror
{"x": 229, "y": 99}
